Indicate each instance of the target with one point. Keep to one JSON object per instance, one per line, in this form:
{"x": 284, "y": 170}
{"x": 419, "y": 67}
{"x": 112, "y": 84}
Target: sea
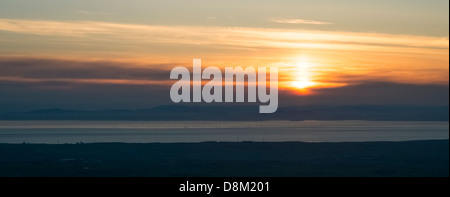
{"x": 62, "y": 132}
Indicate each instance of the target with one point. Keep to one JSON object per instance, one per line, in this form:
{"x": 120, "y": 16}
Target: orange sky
{"x": 316, "y": 44}
{"x": 306, "y": 58}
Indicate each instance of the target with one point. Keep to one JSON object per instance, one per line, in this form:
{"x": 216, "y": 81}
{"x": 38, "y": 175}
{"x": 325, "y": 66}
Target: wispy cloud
{"x": 85, "y": 12}
{"x": 299, "y": 21}
{"x": 228, "y": 36}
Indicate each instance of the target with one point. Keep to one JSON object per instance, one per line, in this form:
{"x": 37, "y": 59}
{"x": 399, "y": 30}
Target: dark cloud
{"x": 67, "y": 69}
{"x": 19, "y": 96}
{"x": 22, "y": 97}
{"x": 368, "y": 92}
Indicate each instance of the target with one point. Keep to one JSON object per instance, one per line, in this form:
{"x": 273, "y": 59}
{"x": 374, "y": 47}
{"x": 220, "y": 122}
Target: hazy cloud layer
{"x": 299, "y": 21}
{"x": 30, "y": 84}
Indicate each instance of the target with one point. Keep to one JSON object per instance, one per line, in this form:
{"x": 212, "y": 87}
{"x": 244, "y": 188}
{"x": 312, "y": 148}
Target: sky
{"x": 111, "y": 54}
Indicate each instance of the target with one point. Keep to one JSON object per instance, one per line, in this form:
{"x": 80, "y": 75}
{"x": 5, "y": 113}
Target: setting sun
{"x": 303, "y": 84}
{"x": 303, "y": 74}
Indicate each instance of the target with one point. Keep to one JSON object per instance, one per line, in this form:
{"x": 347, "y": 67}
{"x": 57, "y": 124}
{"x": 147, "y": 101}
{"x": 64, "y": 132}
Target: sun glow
{"x": 303, "y": 74}
{"x": 303, "y": 84}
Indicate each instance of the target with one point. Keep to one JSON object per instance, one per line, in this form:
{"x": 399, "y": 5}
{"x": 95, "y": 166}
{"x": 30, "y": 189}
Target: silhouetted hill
{"x": 237, "y": 113}
{"x": 51, "y": 111}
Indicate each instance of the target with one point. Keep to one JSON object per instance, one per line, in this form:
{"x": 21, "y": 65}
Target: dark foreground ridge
{"x": 220, "y": 159}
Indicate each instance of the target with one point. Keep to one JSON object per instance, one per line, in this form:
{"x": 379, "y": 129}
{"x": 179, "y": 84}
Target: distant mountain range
{"x": 237, "y": 113}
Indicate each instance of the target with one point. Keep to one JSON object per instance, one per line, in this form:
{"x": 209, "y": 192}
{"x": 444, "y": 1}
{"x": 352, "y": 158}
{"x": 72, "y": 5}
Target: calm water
{"x": 199, "y": 131}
